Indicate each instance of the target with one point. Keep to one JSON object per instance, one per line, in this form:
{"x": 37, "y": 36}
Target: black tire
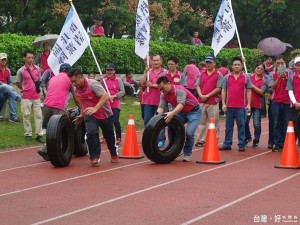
{"x": 60, "y": 140}
{"x": 151, "y": 132}
{"x": 80, "y": 146}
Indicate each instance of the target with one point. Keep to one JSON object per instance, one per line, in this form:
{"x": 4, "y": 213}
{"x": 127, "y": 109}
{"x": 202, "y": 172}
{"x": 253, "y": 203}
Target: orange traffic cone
{"x": 130, "y": 148}
{"x": 211, "y": 149}
{"x": 289, "y": 158}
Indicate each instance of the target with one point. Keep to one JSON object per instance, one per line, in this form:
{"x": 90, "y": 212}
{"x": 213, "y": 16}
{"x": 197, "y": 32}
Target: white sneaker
{"x": 44, "y": 131}
{"x": 186, "y": 158}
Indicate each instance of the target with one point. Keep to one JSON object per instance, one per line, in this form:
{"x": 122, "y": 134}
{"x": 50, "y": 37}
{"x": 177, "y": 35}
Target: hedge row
{"x": 121, "y": 52}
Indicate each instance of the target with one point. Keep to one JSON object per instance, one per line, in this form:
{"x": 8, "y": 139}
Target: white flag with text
{"x": 70, "y": 44}
{"x": 142, "y": 32}
{"x": 224, "y": 27}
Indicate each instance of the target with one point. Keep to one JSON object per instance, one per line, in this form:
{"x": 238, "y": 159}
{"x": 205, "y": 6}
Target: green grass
{"x": 12, "y": 134}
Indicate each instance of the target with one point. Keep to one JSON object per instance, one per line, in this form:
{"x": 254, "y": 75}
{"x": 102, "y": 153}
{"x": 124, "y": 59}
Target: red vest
{"x": 89, "y": 99}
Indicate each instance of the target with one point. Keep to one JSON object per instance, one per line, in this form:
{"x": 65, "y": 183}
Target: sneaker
{"x": 161, "y": 144}
{"x": 95, "y": 161}
{"x": 15, "y": 120}
{"x": 102, "y": 140}
{"x": 186, "y": 158}
{"x": 241, "y": 148}
{"x": 114, "y": 159}
{"x": 28, "y": 138}
{"x": 276, "y": 149}
{"x": 40, "y": 139}
{"x": 224, "y": 148}
{"x": 254, "y": 144}
{"x": 200, "y": 144}
{"x": 248, "y": 140}
{"x": 43, "y": 152}
{"x": 270, "y": 146}
{"x": 118, "y": 141}
{"x": 44, "y": 131}
{"x": 1, "y": 117}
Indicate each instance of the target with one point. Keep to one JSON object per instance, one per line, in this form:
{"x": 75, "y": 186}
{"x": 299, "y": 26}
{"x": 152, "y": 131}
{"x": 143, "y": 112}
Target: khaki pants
{"x": 26, "y": 106}
{"x": 208, "y": 112}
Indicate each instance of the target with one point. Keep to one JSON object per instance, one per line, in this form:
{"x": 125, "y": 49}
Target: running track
{"x": 130, "y": 192}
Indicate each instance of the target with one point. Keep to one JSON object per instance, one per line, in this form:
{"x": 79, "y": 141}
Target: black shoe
{"x": 255, "y": 144}
{"x": 43, "y": 152}
{"x": 40, "y": 139}
{"x": 270, "y": 146}
{"x": 248, "y": 140}
{"x": 276, "y": 149}
{"x": 200, "y": 144}
{"x": 28, "y": 138}
{"x": 224, "y": 148}
{"x": 241, "y": 149}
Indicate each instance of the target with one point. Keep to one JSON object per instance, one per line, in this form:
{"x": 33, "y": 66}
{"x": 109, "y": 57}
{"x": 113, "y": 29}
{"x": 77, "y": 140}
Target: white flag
{"x": 142, "y": 32}
{"x": 70, "y": 44}
{"x": 224, "y": 27}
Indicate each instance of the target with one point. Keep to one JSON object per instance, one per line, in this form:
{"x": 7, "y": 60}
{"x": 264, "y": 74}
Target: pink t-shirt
{"x": 28, "y": 86}
{"x": 4, "y": 76}
{"x": 192, "y": 73}
{"x": 98, "y": 30}
{"x": 236, "y": 89}
{"x": 58, "y": 90}
{"x": 44, "y": 62}
{"x": 256, "y": 98}
{"x": 113, "y": 88}
{"x": 90, "y": 99}
{"x": 152, "y": 97}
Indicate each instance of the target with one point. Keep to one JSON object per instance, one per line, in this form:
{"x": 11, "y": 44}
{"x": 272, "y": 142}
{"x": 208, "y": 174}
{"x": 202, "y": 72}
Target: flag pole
{"x": 148, "y": 70}
{"x": 239, "y": 41}
{"x": 92, "y": 51}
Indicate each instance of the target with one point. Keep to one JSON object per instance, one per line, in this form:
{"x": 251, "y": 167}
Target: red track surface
{"x": 32, "y": 191}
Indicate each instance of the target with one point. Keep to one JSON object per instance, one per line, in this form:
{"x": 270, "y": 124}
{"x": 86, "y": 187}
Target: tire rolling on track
{"x": 80, "y": 146}
{"x": 60, "y": 140}
{"x": 151, "y": 132}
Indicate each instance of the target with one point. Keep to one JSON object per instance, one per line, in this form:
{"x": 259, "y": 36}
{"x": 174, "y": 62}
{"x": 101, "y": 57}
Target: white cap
{"x": 3, "y": 56}
{"x": 297, "y": 59}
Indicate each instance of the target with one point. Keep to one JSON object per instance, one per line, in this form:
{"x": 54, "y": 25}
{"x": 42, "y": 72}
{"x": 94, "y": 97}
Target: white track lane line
{"x": 22, "y": 149}
{"x": 240, "y": 199}
{"x": 21, "y": 167}
{"x": 144, "y": 190}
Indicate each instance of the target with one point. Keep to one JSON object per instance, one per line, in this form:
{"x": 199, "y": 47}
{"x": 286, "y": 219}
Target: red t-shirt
{"x": 236, "y": 89}
{"x": 4, "y": 76}
{"x": 279, "y": 94}
{"x": 208, "y": 83}
{"x": 256, "y": 98}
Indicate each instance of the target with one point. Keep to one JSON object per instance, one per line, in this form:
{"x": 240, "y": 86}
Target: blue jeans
{"x": 271, "y": 124}
{"x": 149, "y": 111}
{"x": 192, "y": 119}
{"x": 2, "y": 101}
{"x": 256, "y": 112}
{"x": 116, "y": 115}
{"x": 239, "y": 115}
{"x": 12, "y": 97}
{"x": 281, "y": 116}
